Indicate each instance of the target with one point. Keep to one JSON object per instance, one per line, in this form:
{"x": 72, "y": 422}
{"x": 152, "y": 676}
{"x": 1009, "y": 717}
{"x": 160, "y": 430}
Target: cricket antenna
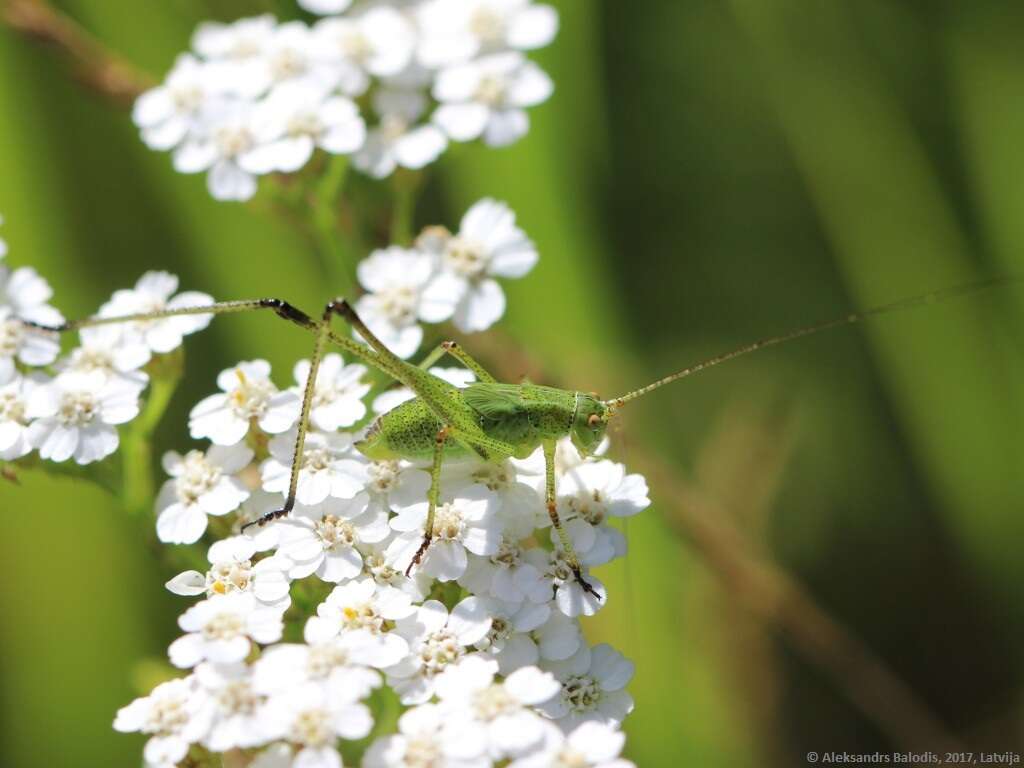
{"x": 856, "y": 317}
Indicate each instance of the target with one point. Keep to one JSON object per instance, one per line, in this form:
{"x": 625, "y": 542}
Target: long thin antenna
{"x": 855, "y": 317}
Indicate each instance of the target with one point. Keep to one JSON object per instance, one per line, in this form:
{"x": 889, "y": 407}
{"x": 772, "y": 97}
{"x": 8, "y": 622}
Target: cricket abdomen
{"x": 408, "y": 431}
{"x": 529, "y": 414}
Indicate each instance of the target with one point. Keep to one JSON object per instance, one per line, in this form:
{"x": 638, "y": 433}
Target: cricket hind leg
{"x": 322, "y": 328}
{"x": 563, "y": 537}
{"x": 381, "y": 358}
{"x": 283, "y": 309}
{"x": 280, "y": 307}
{"x": 388, "y": 361}
{"x": 461, "y": 424}
{"x": 432, "y": 497}
{"x": 455, "y": 350}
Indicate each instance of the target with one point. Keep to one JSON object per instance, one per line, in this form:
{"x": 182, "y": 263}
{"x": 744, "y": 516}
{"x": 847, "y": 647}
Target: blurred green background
{"x": 708, "y": 172}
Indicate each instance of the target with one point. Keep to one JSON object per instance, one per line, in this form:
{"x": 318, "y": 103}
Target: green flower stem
{"x": 406, "y": 185}
{"x": 386, "y": 710}
{"x": 138, "y": 486}
{"x": 336, "y": 254}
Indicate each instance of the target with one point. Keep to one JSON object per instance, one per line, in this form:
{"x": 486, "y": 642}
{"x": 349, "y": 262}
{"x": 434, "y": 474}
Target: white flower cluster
{"x": 444, "y": 276}
{"x": 70, "y": 407}
{"x": 389, "y": 83}
{"x": 481, "y": 643}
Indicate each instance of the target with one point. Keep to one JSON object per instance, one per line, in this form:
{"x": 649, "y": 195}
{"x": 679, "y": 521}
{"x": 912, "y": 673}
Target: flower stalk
{"x": 138, "y": 477}
{"x": 335, "y": 252}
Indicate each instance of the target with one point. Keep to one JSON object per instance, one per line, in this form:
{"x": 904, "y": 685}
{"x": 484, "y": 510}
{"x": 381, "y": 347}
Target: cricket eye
{"x": 593, "y": 420}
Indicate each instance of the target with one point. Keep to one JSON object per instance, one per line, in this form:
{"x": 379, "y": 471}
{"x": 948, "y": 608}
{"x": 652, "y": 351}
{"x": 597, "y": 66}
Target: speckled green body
{"x": 519, "y": 415}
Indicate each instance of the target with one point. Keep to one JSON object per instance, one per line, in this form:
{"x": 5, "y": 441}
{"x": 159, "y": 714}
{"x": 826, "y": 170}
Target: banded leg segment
{"x": 563, "y": 537}
{"x": 432, "y": 497}
{"x": 452, "y": 348}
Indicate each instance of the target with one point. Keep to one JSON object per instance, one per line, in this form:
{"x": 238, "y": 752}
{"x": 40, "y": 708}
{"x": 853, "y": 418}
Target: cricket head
{"x": 589, "y": 423}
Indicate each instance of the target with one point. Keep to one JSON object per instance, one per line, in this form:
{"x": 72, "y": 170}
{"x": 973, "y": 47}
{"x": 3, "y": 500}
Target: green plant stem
{"x": 137, "y": 455}
{"x": 138, "y": 486}
{"x": 336, "y": 254}
{"x": 406, "y": 185}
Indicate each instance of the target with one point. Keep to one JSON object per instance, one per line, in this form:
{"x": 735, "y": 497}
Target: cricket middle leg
{"x": 452, "y": 348}
{"x": 563, "y": 537}
{"x": 432, "y": 497}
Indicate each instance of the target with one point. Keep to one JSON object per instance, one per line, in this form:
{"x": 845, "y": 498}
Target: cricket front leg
{"x": 563, "y": 536}
{"x": 432, "y": 496}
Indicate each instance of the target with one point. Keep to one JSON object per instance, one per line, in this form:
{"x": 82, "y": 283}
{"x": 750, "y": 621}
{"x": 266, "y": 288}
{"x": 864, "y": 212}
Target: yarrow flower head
{"x": 589, "y": 745}
{"x": 458, "y": 30}
{"x": 325, "y": 539}
{"x": 443, "y": 277}
{"x": 418, "y": 743}
{"x": 232, "y": 570}
{"x": 14, "y": 420}
{"x": 593, "y": 688}
{"x": 23, "y": 296}
{"x": 172, "y": 715}
{"x": 153, "y": 293}
{"x": 112, "y": 350}
{"x": 487, "y": 245}
{"x": 312, "y": 718}
{"x": 328, "y": 467}
{"x": 200, "y": 485}
{"x": 469, "y": 674}
{"x": 359, "y": 605}
{"x": 221, "y": 628}
{"x": 488, "y": 98}
{"x": 464, "y": 523}
{"x": 400, "y": 140}
{"x": 338, "y": 396}
{"x": 347, "y": 662}
{"x": 247, "y": 397}
{"x": 75, "y": 416}
{"x": 259, "y": 96}
{"x": 491, "y": 718}
{"x": 395, "y": 279}
{"x": 437, "y": 639}
{"x": 296, "y": 119}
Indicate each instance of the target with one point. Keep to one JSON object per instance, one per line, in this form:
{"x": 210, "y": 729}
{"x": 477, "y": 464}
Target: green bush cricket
{"x": 487, "y": 420}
